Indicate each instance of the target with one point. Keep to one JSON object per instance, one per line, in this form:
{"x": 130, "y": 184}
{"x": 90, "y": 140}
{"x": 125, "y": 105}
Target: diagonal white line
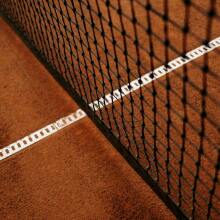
{"x": 41, "y": 134}
{"x": 157, "y": 73}
{"x": 107, "y": 99}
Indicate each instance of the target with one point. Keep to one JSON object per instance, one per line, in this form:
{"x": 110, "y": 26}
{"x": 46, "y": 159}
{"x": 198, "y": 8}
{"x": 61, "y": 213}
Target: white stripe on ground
{"x": 157, "y": 73}
{"x": 106, "y": 100}
{"x": 41, "y": 134}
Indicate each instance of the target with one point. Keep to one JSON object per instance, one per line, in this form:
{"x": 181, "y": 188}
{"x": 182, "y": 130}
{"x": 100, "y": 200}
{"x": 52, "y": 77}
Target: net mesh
{"x": 135, "y": 65}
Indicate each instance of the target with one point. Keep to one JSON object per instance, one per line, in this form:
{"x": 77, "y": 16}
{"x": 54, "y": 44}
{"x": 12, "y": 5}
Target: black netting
{"x": 131, "y": 63}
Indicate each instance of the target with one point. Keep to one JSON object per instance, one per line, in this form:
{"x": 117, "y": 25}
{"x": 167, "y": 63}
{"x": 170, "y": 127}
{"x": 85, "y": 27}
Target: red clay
{"x": 75, "y": 174}
{"x": 30, "y": 98}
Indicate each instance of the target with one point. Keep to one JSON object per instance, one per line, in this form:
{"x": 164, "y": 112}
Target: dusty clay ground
{"x": 74, "y": 174}
{"x": 31, "y": 98}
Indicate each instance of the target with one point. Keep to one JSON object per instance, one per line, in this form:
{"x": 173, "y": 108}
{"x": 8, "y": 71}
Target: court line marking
{"x": 52, "y": 128}
{"x": 41, "y": 134}
{"x": 153, "y": 75}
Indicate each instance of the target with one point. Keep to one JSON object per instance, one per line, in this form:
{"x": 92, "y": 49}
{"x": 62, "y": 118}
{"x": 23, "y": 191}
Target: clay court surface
{"x": 76, "y": 173}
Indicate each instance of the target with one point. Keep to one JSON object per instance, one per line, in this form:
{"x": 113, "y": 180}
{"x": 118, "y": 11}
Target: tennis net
{"x": 147, "y": 72}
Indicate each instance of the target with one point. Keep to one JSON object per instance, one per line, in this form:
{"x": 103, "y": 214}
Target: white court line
{"x": 106, "y": 100}
{"x": 41, "y": 134}
{"x": 157, "y": 73}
